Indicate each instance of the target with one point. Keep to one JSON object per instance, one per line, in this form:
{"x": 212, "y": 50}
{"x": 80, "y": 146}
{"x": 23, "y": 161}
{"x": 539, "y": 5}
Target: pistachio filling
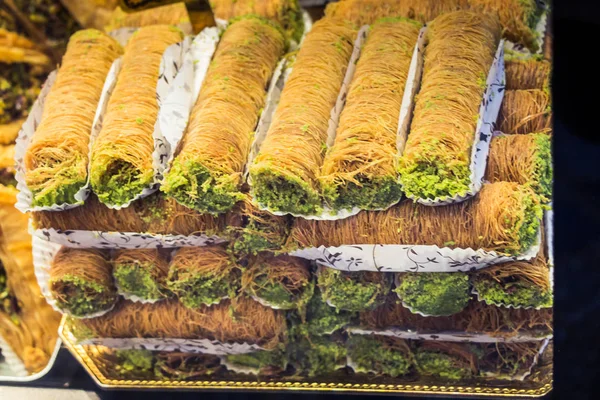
{"x": 432, "y": 176}
{"x": 285, "y": 194}
{"x": 134, "y": 362}
{"x": 278, "y": 295}
{"x": 63, "y": 193}
{"x": 194, "y": 186}
{"x": 119, "y": 182}
{"x": 530, "y": 225}
{"x": 517, "y": 293}
{"x": 370, "y": 355}
{"x": 435, "y": 293}
{"x": 321, "y": 319}
{"x": 369, "y": 194}
{"x": 136, "y": 279}
{"x": 196, "y": 291}
{"x": 80, "y": 297}
{"x": 260, "y": 360}
{"x": 543, "y": 170}
{"x": 353, "y": 291}
{"x": 437, "y": 364}
{"x": 318, "y": 357}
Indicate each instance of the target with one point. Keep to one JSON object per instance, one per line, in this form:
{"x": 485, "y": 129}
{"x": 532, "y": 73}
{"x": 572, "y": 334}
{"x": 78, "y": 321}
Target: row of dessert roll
{"x": 122, "y": 150}
{"x": 517, "y": 284}
{"x": 507, "y": 162}
{"x": 242, "y": 329}
{"x": 287, "y": 13}
{"x": 243, "y": 325}
{"x": 56, "y": 161}
{"x": 520, "y": 20}
{"x": 86, "y": 283}
{"x": 375, "y": 357}
{"x": 502, "y": 223}
{"x": 311, "y": 164}
{"x": 292, "y": 173}
{"x": 207, "y": 170}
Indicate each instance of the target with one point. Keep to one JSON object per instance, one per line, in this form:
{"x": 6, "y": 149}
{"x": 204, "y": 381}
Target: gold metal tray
{"x": 89, "y": 356}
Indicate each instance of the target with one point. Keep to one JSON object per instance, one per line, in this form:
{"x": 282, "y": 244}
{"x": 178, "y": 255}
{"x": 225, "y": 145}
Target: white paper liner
{"x": 488, "y": 114}
{"x": 540, "y": 29}
{"x": 308, "y": 23}
{"x": 13, "y": 364}
{"x": 13, "y": 369}
{"x": 521, "y": 376}
{"x": 121, "y": 240}
{"x": 122, "y": 35}
{"x": 408, "y": 258}
{"x": 205, "y": 346}
{"x": 132, "y": 297}
{"x": 25, "y": 197}
{"x": 327, "y": 213}
{"x": 43, "y": 254}
{"x": 413, "y": 82}
{"x": 269, "y": 304}
{"x": 183, "y": 93}
{"x": 239, "y": 369}
{"x": 171, "y": 63}
{"x": 452, "y": 336}
{"x": 276, "y": 85}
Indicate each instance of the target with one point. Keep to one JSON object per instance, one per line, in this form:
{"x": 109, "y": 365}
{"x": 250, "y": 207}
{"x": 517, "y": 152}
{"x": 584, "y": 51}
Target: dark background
{"x": 576, "y": 103}
{"x": 577, "y": 205}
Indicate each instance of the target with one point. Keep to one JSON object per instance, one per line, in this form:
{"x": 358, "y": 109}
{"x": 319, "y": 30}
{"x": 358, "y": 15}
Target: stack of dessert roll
{"x": 359, "y": 207}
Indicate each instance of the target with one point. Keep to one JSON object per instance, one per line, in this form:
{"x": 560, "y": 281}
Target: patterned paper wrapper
{"x": 408, "y": 258}
{"x": 452, "y": 336}
{"x": 540, "y": 30}
{"x": 184, "y": 91}
{"x": 121, "y": 240}
{"x": 205, "y": 346}
{"x": 240, "y": 369}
